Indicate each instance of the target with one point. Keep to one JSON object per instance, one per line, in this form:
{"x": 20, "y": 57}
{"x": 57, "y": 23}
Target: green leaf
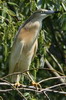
{"x": 11, "y": 12}
{"x": 12, "y": 3}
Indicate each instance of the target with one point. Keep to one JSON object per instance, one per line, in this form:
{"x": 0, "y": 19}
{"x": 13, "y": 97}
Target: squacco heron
{"x": 26, "y": 43}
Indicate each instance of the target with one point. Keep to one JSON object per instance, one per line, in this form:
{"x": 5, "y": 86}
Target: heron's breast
{"x": 25, "y": 61}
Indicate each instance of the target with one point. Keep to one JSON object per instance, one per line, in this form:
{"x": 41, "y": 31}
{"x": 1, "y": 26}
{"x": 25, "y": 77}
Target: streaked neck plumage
{"x": 33, "y": 27}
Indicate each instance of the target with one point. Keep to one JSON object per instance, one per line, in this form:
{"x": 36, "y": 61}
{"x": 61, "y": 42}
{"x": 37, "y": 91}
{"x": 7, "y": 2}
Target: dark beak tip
{"x": 56, "y": 11}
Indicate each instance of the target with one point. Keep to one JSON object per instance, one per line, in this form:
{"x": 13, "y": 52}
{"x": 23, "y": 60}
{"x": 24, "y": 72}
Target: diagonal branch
{"x": 14, "y": 88}
{"x": 54, "y": 72}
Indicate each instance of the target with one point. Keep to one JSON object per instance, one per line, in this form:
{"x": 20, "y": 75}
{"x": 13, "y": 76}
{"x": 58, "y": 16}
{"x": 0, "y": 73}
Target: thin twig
{"x": 44, "y": 92}
{"x": 13, "y": 87}
{"x": 54, "y": 71}
{"x": 44, "y": 80}
{"x": 15, "y": 73}
{"x": 55, "y": 91}
{"x": 51, "y": 78}
{"x": 54, "y": 86}
{"x": 55, "y": 61}
{"x": 49, "y": 89}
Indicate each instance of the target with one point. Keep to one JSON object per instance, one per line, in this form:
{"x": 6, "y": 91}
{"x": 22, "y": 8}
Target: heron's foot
{"x": 17, "y": 84}
{"x": 37, "y": 85}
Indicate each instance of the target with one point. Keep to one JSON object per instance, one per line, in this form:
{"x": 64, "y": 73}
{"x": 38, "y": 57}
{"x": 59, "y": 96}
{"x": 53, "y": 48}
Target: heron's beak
{"x": 50, "y": 12}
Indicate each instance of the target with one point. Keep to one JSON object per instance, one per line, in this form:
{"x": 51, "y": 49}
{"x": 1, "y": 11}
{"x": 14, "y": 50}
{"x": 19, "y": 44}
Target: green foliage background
{"x": 52, "y": 37}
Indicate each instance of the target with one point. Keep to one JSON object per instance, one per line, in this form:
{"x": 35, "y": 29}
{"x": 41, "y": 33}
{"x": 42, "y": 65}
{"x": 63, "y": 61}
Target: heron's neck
{"x": 34, "y": 25}
{"x": 33, "y": 28}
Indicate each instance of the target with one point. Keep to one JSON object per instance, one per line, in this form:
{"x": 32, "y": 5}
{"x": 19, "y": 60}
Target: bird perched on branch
{"x": 26, "y": 43}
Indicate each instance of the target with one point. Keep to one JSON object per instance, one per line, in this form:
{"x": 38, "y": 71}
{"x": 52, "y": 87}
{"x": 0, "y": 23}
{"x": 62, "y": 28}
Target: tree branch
{"x": 54, "y": 71}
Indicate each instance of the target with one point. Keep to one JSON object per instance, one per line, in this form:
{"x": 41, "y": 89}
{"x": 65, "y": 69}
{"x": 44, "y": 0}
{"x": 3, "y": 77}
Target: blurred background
{"x": 51, "y": 47}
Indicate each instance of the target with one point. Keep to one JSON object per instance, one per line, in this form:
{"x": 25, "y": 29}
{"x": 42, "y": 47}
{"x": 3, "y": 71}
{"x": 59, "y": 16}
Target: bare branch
{"x": 55, "y": 60}
{"x": 54, "y": 71}
{"x": 51, "y": 78}
{"x": 50, "y": 69}
{"x": 33, "y": 89}
{"x": 14, "y": 88}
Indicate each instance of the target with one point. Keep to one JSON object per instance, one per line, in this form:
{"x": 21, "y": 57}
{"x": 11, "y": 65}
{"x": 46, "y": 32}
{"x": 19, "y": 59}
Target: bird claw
{"x": 37, "y": 85}
{"x": 17, "y": 84}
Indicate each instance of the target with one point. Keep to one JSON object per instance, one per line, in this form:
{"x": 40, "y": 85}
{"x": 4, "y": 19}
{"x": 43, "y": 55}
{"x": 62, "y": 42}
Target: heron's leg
{"x": 37, "y": 85}
{"x": 18, "y": 79}
{"x": 17, "y": 84}
{"x": 29, "y": 76}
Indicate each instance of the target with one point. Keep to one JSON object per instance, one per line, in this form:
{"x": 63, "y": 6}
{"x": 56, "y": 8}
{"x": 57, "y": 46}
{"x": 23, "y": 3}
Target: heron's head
{"x": 42, "y": 14}
{"x": 38, "y": 16}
